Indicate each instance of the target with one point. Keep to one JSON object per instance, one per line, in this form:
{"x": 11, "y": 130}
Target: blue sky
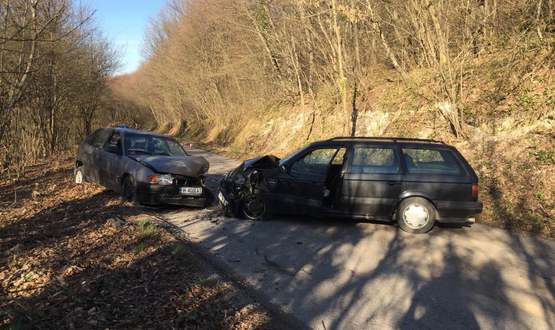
{"x": 123, "y": 22}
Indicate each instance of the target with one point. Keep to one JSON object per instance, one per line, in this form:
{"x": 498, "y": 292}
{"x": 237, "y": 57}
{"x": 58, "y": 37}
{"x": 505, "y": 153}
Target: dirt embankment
{"x": 77, "y": 257}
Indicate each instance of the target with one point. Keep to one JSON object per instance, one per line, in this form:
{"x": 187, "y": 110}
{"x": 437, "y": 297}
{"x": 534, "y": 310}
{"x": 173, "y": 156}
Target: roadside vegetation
{"x": 257, "y": 77}
{"x": 55, "y": 76}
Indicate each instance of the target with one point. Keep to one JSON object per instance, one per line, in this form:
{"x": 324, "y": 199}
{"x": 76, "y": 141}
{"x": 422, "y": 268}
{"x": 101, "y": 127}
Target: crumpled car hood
{"x": 264, "y": 162}
{"x": 192, "y": 166}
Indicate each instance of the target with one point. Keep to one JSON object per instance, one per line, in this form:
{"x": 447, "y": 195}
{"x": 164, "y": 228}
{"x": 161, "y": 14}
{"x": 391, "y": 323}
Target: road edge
{"x": 226, "y": 273}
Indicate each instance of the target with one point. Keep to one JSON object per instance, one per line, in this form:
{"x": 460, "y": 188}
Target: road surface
{"x": 349, "y": 275}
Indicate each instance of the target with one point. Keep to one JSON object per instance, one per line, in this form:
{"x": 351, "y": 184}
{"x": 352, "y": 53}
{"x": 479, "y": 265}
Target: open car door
{"x": 304, "y": 185}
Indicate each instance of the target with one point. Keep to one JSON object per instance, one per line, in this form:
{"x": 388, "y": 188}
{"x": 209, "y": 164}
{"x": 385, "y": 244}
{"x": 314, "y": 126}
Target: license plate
{"x": 191, "y": 191}
{"x": 222, "y": 199}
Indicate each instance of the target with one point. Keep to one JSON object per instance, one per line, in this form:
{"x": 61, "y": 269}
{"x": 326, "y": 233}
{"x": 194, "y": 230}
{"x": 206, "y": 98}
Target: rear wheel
{"x": 255, "y": 208}
{"x": 416, "y": 215}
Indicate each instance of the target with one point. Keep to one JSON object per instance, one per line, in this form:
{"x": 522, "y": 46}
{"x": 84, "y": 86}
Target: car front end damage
{"x": 172, "y": 181}
{"x": 244, "y": 190}
{"x": 182, "y": 191}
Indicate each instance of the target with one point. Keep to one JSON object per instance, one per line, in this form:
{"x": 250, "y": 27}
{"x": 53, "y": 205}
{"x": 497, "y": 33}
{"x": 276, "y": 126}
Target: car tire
{"x": 129, "y": 189}
{"x": 79, "y": 176}
{"x": 416, "y": 215}
{"x": 229, "y": 211}
{"x": 209, "y": 198}
{"x": 255, "y": 208}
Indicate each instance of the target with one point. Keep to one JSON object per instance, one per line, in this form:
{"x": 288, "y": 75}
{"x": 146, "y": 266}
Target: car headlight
{"x": 161, "y": 179}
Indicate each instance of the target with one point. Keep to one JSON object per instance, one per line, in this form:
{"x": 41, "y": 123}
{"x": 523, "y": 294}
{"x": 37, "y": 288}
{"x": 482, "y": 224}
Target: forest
{"x": 56, "y": 77}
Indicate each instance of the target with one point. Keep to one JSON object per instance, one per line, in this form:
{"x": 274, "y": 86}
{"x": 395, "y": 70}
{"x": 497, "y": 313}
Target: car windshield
{"x": 286, "y": 159}
{"x": 144, "y": 144}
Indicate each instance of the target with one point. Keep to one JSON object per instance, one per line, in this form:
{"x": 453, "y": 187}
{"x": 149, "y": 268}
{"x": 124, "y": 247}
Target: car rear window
{"x": 431, "y": 161}
{"x": 374, "y": 160}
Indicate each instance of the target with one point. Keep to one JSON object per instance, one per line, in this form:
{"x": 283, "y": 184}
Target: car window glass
{"x": 159, "y": 147}
{"x": 374, "y": 160}
{"x": 430, "y": 161}
{"x": 314, "y": 164}
{"x": 114, "y": 143}
{"x": 339, "y": 157}
{"x": 136, "y": 144}
{"x": 100, "y": 137}
{"x": 90, "y": 139}
{"x": 175, "y": 148}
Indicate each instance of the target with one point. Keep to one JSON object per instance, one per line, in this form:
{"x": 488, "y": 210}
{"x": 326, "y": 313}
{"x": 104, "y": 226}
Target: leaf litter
{"x": 76, "y": 256}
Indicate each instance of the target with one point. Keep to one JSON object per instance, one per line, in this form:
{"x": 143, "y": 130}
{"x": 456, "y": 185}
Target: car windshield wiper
{"x": 163, "y": 154}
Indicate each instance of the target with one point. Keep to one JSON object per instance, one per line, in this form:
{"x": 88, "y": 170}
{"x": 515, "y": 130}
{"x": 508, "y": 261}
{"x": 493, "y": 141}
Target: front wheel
{"x": 128, "y": 189}
{"x": 79, "y": 176}
{"x": 416, "y": 215}
{"x": 255, "y": 208}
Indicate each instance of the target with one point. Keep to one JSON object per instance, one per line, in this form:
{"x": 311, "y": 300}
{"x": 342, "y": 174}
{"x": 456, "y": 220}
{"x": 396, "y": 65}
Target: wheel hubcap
{"x": 416, "y": 216}
{"x": 78, "y": 177}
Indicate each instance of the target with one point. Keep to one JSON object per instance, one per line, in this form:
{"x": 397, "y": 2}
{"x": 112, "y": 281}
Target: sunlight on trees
{"x": 54, "y": 73}
{"x": 213, "y": 62}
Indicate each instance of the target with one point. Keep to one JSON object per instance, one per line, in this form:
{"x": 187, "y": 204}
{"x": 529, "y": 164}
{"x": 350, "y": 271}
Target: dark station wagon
{"x": 415, "y": 182}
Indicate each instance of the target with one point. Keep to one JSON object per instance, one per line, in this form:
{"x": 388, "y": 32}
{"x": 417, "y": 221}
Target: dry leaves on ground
{"x": 68, "y": 260}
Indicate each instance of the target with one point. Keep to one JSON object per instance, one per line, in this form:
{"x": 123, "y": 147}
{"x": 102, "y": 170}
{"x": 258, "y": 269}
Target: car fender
{"x": 130, "y": 167}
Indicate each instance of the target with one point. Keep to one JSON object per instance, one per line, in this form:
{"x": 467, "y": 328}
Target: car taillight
{"x": 475, "y": 191}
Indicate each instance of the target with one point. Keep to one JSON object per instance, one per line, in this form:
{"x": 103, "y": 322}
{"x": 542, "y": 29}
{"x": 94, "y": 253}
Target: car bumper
{"x": 458, "y": 212}
{"x": 228, "y": 198}
{"x": 168, "y": 195}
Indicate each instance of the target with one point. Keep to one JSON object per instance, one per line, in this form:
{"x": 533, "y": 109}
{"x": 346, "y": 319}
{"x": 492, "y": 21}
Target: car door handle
{"x": 393, "y": 183}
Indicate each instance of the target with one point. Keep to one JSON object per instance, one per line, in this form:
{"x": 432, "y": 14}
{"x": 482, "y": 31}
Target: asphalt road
{"x": 349, "y": 275}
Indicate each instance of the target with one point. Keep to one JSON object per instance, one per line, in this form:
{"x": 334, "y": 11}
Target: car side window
{"x": 430, "y": 161}
{"x": 374, "y": 160}
{"x": 314, "y": 164}
{"x": 339, "y": 156}
{"x": 114, "y": 144}
{"x": 100, "y": 138}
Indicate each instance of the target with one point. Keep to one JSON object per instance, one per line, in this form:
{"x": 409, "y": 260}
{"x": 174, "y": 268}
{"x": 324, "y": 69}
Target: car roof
{"x": 126, "y": 130}
{"x": 386, "y": 140}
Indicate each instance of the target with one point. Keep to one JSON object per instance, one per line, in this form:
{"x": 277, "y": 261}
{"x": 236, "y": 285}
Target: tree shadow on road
{"x": 337, "y": 274}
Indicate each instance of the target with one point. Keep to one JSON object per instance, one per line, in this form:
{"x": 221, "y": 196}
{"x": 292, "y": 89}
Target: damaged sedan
{"x": 144, "y": 167}
{"x": 415, "y": 182}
